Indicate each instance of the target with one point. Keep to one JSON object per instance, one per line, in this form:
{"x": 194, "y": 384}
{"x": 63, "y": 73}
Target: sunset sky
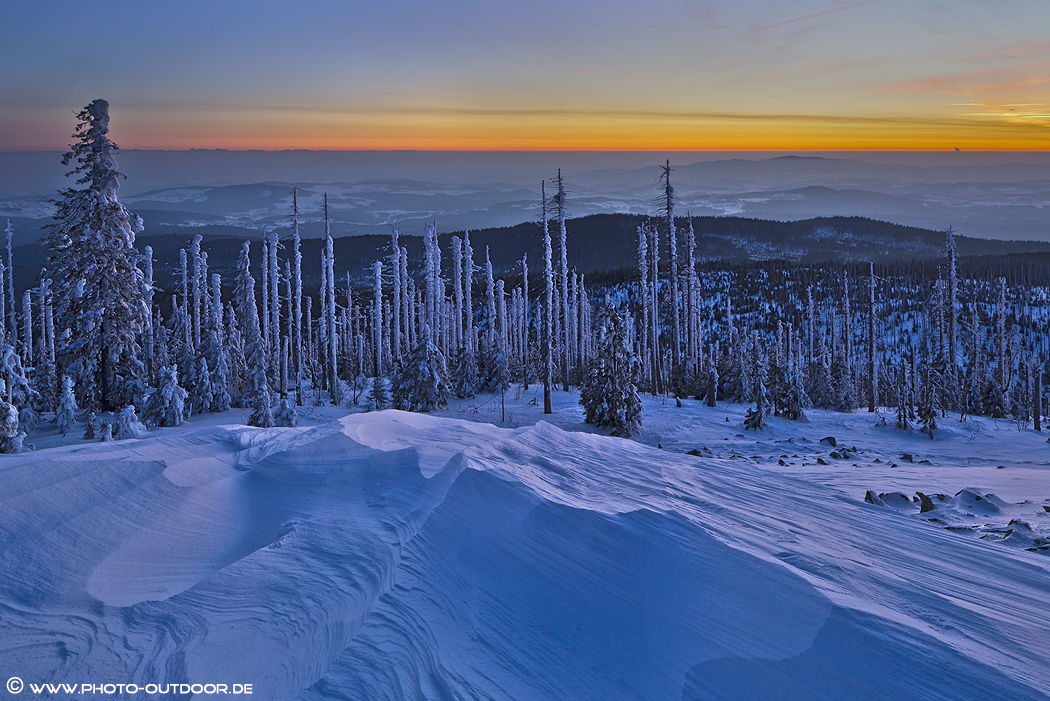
{"x": 542, "y": 75}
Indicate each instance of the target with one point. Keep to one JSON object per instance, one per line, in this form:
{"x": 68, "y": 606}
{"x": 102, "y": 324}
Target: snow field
{"x": 395, "y": 555}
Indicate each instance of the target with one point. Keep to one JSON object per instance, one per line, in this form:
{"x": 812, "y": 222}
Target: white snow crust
{"x": 406, "y": 556}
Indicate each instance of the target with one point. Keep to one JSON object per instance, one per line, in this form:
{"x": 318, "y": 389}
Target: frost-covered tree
{"x": 166, "y": 406}
{"x": 91, "y": 426}
{"x": 65, "y": 415}
{"x": 903, "y": 398}
{"x": 11, "y": 327}
{"x": 262, "y": 406}
{"x": 420, "y": 384}
{"x": 609, "y": 391}
{"x": 286, "y": 415}
{"x": 128, "y": 424}
{"x": 464, "y": 374}
{"x": 10, "y": 436}
{"x": 100, "y": 292}
{"x": 927, "y": 409}
{"x": 378, "y": 398}
{"x": 201, "y": 390}
{"x": 257, "y": 394}
{"x": 712, "y": 387}
{"x": 220, "y": 373}
{"x": 755, "y": 419}
{"x": 494, "y": 372}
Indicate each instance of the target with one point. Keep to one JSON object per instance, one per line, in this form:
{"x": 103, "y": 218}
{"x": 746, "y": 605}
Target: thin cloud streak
{"x": 561, "y": 113}
{"x": 811, "y": 16}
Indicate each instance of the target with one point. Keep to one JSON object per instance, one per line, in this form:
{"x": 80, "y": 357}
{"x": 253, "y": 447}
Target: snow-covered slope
{"x": 397, "y": 555}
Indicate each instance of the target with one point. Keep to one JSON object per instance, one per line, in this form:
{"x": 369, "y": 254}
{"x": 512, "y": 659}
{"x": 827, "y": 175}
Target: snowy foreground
{"x": 395, "y": 555}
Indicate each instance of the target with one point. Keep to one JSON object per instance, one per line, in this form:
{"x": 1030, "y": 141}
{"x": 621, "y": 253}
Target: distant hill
{"x": 596, "y": 243}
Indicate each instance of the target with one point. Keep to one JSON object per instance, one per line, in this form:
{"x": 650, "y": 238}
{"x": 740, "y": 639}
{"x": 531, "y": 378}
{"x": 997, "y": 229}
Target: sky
{"x": 575, "y": 75}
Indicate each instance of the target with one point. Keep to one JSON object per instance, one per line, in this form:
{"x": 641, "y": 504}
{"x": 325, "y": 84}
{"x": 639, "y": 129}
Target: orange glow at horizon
{"x": 996, "y": 128}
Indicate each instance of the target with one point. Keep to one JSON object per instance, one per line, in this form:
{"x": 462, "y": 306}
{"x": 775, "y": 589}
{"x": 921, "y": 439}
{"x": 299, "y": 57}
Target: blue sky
{"x": 800, "y": 74}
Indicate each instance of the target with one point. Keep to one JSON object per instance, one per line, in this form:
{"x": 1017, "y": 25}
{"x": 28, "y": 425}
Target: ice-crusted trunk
{"x": 457, "y": 291}
{"x": 151, "y": 367}
{"x": 693, "y": 329}
{"x": 395, "y": 266}
{"x": 548, "y": 278}
{"x": 1000, "y": 337}
{"x": 27, "y": 328}
{"x": 525, "y": 319}
{"x": 297, "y": 300}
{"x": 847, "y": 331}
{"x": 501, "y": 314}
{"x": 672, "y": 273}
{"x": 406, "y": 300}
{"x": 49, "y": 321}
{"x": 952, "y": 301}
{"x": 468, "y": 281}
{"x": 1037, "y": 395}
{"x": 871, "y": 338}
{"x": 12, "y": 318}
{"x": 275, "y": 294}
{"x": 812, "y": 326}
{"x": 643, "y": 298}
{"x": 377, "y": 319}
{"x": 490, "y": 302}
{"x": 195, "y": 289}
{"x": 431, "y": 274}
{"x": 264, "y": 278}
{"x": 332, "y": 366}
{"x": 654, "y": 314}
{"x": 563, "y": 274}
{"x": 4, "y": 321}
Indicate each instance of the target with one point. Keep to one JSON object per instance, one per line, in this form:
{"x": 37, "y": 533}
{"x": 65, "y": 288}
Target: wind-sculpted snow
{"x": 405, "y": 556}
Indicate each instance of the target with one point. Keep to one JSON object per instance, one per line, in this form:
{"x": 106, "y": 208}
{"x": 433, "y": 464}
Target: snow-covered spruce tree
{"x": 257, "y": 395}
{"x": 166, "y": 406}
{"x": 201, "y": 390}
{"x": 65, "y": 415}
{"x": 755, "y": 419}
{"x": 795, "y": 399}
{"x": 286, "y": 415}
{"x": 420, "y": 384}
{"x": 16, "y": 383}
{"x": 128, "y": 424}
{"x": 91, "y": 426}
{"x": 494, "y": 372}
{"x": 903, "y": 400}
{"x": 99, "y": 293}
{"x": 609, "y": 391}
{"x": 927, "y": 408}
{"x": 262, "y": 403}
{"x": 220, "y": 373}
{"x": 842, "y": 384}
{"x": 712, "y": 386}
{"x": 464, "y": 375}
{"x": 10, "y": 436}
{"x": 377, "y": 398}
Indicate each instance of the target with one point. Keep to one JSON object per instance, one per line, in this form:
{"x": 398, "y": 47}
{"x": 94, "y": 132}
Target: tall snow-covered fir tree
{"x": 257, "y": 393}
{"x": 609, "y": 391}
{"x": 420, "y": 384}
{"x": 65, "y": 416}
{"x": 166, "y": 406}
{"x": 99, "y": 290}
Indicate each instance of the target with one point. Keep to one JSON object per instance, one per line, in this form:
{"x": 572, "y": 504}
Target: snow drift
{"x": 396, "y": 555}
